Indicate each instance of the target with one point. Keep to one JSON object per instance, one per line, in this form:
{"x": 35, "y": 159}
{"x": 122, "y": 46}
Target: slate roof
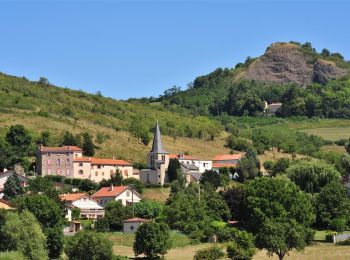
{"x": 157, "y": 145}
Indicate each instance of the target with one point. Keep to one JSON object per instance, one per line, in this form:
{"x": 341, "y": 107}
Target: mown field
{"x": 331, "y": 133}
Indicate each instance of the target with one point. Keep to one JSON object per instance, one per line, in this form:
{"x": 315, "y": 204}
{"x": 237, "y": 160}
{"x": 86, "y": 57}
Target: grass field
{"x": 331, "y": 133}
{"x": 159, "y": 194}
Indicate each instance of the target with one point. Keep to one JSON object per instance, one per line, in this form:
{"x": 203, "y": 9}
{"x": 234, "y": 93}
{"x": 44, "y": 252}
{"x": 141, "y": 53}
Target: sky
{"x": 138, "y": 49}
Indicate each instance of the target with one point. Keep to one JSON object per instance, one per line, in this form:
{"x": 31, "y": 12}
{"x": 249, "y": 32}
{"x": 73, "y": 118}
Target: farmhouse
{"x": 125, "y": 194}
{"x": 89, "y": 208}
{"x": 227, "y": 160}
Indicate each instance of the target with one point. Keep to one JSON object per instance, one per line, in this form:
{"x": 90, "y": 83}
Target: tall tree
{"x": 173, "y": 168}
{"x": 116, "y": 213}
{"x": 19, "y": 137}
{"x": 88, "y": 145}
{"x": 69, "y": 139}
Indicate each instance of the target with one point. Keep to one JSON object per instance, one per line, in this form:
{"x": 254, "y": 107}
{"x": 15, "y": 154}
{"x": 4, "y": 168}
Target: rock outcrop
{"x": 288, "y": 63}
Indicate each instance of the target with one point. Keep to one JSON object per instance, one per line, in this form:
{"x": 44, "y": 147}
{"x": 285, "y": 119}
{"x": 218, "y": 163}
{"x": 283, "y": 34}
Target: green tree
{"x": 102, "y": 225}
{"x": 211, "y": 178}
{"x": 233, "y": 198}
{"x": 89, "y": 245}
{"x": 211, "y": 253}
{"x": 48, "y": 213}
{"x": 116, "y": 213}
{"x": 18, "y": 137}
{"x": 312, "y": 176}
{"x": 12, "y": 187}
{"x": 216, "y": 206}
{"x": 88, "y": 145}
{"x": 75, "y": 213}
{"x": 185, "y": 212}
{"x": 22, "y": 232}
{"x": 148, "y": 209}
{"x": 69, "y": 139}
{"x": 173, "y": 169}
{"x": 332, "y": 203}
{"x": 44, "y": 138}
{"x": 43, "y": 185}
{"x": 152, "y": 239}
{"x": 242, "y": 247}
{"x": 280, "y": 237}
{"x": 281, "y": 166}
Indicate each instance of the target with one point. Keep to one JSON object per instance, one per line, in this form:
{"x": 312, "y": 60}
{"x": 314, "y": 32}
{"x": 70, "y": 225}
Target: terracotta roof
{"x": 136, "y": 220}
{"x": 107, "y": 192}
{"x": 182, "y": 156}
{"x": 72, "y": 196}
{"x": 226, "y": 157}
{"x": 224, "y": 165}
{"x": 98, "y": 161}
{"x": 60, "y": 149}
{"x": 4, "y": 204}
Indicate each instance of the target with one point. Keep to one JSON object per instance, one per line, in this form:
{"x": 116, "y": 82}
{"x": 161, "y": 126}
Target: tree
{"x": 249, "y": 166}
{"x": 279, "y": 213}
{"x": 275, "y": 198}
{"x": 88, "y": 145}
{"x": 281, "y": 237}
{"x": 48, "y": 213}
{"x": 325, "y": 52}
{"x": 12, "y": 187}
{"x": 152, "y": 239}
{"x": 211, "y": 178}
{"x": 89, "y": 245}
{"x": 43, "y": 185}
{"x": 242, "y": 247}
{"x": 216, "y": 206}
{"x": 115, "y": 180}
{"x": 148, "y": 209}
{"x": 116, "y": 213}
{"x": 280, "y": 166}
{"x": 18, "y": 137}
{"x": 102, "y": 225}
{"x": 22, "y": 232}
{"x": 332, "y": 203}
{"x": 75, "y": 213}
{"x": 44, "y": 138}
{"x": 145, "y": 137}
{"x": 173, "y": 168}
{"x": 134, "y": 183}
{"x": 69, "y": 139}
{"x": 312, "y": 176}
{"x": 233, "y": 198}
{"x": 185, "y": 212}
{"x": 211, "y": 253}
{"x": 43, "y": 81}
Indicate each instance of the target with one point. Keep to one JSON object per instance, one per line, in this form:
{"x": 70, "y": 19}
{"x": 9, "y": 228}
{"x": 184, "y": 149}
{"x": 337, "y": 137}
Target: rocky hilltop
{"x": 290, "y": 63}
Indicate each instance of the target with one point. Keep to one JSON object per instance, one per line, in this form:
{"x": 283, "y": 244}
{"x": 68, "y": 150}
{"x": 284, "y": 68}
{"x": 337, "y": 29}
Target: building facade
{"x": 125, "y": 194}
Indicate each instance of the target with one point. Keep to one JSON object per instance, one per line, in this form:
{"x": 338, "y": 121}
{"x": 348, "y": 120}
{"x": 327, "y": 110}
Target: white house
{"x": 89, "y": 208}
{"x": 202, "y": 165}
{"x": 132, "y": 224}
{"x": 117, "y": 193}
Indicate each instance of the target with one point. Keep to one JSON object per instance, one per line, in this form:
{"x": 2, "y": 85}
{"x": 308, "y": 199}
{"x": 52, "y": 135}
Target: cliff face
{"x": 288, "y": 63}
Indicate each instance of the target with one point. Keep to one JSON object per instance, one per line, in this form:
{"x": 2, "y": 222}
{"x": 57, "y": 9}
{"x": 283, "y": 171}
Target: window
{"x": 96, "y": 173}
{"x": 81, "y": 164}
{"x": 68, "y": 171}
{"x": 163, "y": 157}
{"x": 132, "y": 228}
{"x": 58, "y": 171}
{"x": 58, "y": 162}
{"x": 67, "y": 161}
{"x": 99, "y": 166}
{"x": 48, "y": 161}
{"x": 49, "y": 171}
{"x": 126, "y": 172}
{"x": 81, "y": 172}
{"x": 67, "y": 154}
{"x": 103, "y": 174}
{"x": 128, "y": 193}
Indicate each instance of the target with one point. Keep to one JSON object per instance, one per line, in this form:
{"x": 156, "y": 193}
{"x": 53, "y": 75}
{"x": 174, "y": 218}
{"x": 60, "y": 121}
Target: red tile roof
{"x": 72, "y": 196}
{"x": 107, "y": 192}
{"x": 136, "y": 220}
{"x": 97, "y": 161}
{"x": 61, "y": 149}
{"x": 182, "y": 156}
{"x": 227, "y": 157}
{"x": 224, "y": 165}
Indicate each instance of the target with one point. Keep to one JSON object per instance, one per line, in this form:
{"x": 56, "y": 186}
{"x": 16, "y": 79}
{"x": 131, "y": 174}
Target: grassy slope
{"x": 41, "y": 108}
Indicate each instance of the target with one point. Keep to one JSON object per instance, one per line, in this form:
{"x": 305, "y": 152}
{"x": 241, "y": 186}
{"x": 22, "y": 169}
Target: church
{"x": 157, "y": 161}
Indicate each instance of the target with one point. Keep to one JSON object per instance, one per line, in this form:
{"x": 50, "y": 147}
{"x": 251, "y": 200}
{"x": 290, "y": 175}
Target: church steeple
{"x": 157, "y": 146}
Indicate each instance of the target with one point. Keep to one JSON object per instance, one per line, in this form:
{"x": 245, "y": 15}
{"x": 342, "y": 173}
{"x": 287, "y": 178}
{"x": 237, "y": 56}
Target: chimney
{"x": 113, "y": 158}
{"x": 111, "y": 188}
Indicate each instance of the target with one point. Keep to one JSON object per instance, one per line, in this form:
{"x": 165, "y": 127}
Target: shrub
{"x": 211, "y": 253}
{"x": 329, "y": 236}
{"x": 102, "y": 225}
{"x": 242, "y": 248}
{"x": 344, "y": 243}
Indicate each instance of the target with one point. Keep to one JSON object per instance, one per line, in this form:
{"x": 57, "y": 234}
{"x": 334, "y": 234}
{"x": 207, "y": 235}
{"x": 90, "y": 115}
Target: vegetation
{"x": 211, "y": 253}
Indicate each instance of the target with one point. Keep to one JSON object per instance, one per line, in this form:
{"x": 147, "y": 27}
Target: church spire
{"x": 157, "y": 146}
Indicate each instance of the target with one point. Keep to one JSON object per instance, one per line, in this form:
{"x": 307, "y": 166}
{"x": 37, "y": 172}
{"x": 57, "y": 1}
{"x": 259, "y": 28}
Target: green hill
{"x": 40, "y": 106}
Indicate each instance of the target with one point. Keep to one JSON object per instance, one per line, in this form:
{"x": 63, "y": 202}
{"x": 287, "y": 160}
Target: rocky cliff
{"x": 287, "y": 63}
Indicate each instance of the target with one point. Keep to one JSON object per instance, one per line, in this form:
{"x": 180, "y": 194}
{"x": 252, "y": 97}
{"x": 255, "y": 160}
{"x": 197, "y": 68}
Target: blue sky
{"x": 140, "y": 48}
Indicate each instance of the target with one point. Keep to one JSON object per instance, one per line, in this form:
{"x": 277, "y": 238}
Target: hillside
{"x": 291, "y": 73}
{"x": 41, "y": 106}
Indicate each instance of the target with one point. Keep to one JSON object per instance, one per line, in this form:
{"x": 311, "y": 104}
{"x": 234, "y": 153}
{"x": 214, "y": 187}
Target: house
{"x": 68, "y": 161}
{"x": 227, "y": 160}
{"x": 89, "y": 208}
{"x": 97, "y": 169}
{"x": 191, "y": 172}
{"x": 272, "y": 109}
{"x": 132, "y": 224}
{"x": 4, "y": 204}
{"x": 125, "y": 194}
{"x": 158, "y": 162}
{"x": 6, "y": 174}
{"x": 202, "y": 165}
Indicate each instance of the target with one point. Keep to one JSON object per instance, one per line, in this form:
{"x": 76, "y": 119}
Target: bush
{"x": 102, "y": 225}
{"x": 338, "y": 224}
{"x": 329, "y": 236}
{"x": 11, "y": 255}
{"x": 135, "y": 183}
{"x": 242, "y": 248}
{"x": 211, "y": 253}
{"x": 344, "y": 243}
